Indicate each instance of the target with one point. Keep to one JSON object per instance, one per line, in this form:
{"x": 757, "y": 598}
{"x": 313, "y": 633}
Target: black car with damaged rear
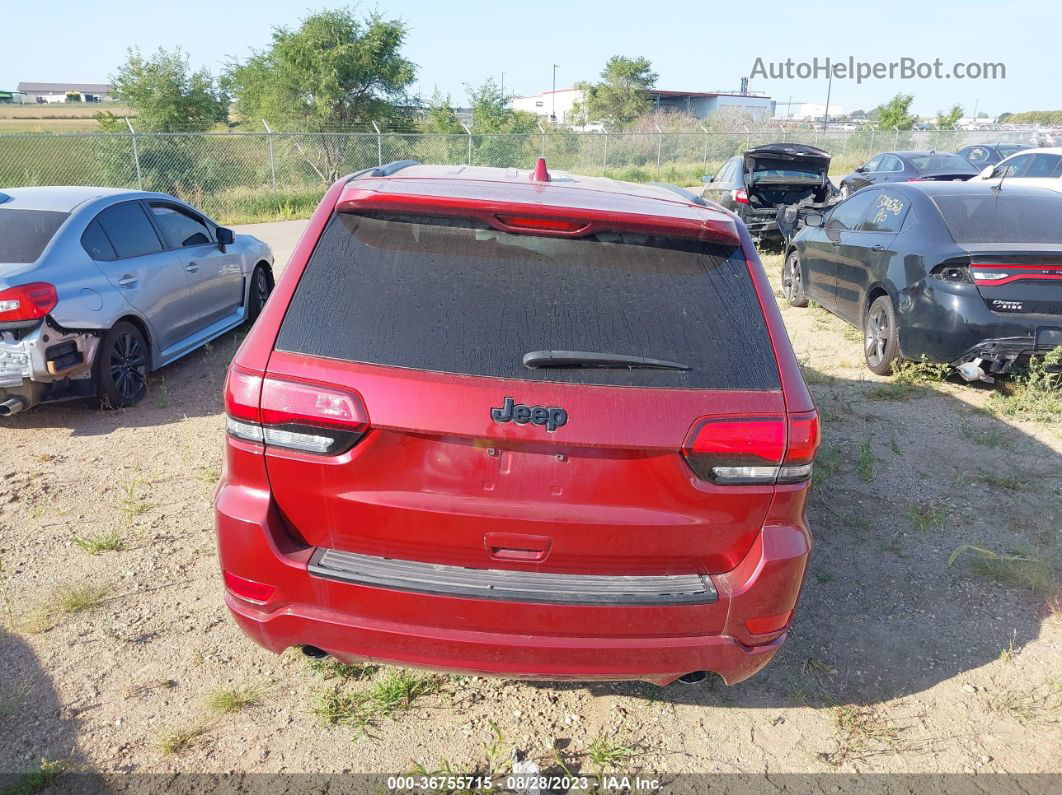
{"x": 759, "y": 185}
{"x": 968, "y": 274}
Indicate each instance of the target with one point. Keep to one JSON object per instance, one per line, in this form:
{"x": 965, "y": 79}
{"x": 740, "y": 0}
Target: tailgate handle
{"x": 517, "y": 546}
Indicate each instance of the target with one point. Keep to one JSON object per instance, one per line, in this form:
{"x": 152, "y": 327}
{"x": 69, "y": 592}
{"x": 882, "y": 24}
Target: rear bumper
{"x": 496, "y": 637}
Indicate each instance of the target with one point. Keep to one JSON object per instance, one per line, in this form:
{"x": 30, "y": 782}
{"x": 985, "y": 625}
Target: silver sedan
{"x": 99, "y": 286}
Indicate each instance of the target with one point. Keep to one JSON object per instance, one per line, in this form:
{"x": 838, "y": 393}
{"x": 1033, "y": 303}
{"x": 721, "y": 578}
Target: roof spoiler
{"x": 387, "y": 169}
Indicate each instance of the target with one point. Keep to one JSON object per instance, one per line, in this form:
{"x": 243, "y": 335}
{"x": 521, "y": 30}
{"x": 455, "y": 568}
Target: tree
{"x": 623, "y": 93}
{"x": 895, "y": 114}
{"x": 949, "y": 120}
{"x": 491, "y": 112}
{"x": 440, "y": 116}
{"x": 334, "y": 72}
{"x": 166, "y": 94}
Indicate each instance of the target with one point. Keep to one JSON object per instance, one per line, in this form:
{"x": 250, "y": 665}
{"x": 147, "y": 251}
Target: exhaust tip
{"x": 972, "y": 371}
{"x": 693, "y": 677}
{"x": 314, "y": 653}
{"x": 12, "y": 406}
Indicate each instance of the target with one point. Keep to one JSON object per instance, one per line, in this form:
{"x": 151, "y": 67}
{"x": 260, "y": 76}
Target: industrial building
{"x": 558, "y": 105}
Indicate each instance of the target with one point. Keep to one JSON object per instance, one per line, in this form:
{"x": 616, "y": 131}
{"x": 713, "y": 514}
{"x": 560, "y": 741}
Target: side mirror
{"x": 226, "y": 237}
{"x": 707, "y": 179}
{"x": 986, "y": 172}
{"x": 813, "y": 220}
{"x": 860, "y": 169}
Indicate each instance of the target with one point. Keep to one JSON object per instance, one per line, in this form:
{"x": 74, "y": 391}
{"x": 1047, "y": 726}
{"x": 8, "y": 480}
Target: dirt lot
{"x": 125, "y": 660}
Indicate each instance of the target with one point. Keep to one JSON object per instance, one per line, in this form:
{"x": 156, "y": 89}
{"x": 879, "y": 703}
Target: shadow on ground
{"x": 35, "y": 729}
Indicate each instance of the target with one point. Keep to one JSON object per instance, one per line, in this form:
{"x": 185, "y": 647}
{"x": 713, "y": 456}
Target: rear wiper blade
{"x": 542, "y": 359}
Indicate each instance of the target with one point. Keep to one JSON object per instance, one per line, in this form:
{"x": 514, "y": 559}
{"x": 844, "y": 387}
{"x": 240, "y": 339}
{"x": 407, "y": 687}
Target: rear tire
{"x": 258, "y": 293}
{"x": 121, "y": 367}
{"x": 881, "y": 340}
{"x": 793, "y": 281}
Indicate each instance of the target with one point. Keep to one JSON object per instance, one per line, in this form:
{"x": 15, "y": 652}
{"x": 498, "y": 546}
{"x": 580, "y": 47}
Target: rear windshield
{"x": 999, "y": 217}
{"x": 941, "y": 163}
{"x": 25, "y": 233}
{"x": 765, "y": 170}
{"x": 457, "y": 297}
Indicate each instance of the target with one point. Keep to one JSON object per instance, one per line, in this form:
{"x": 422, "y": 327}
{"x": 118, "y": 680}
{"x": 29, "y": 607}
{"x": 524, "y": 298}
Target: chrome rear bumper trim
{"x": 512, "y": 586}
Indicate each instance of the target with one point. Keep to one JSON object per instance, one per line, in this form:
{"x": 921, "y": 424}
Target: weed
{"x": 12, "y": 698}
{"x": 926, "y": 516}
{"x": 1039, "y": 705}
{"x": 920, "y": 372}
{"x": 985, "y": 437}
{"x": 894, "y": 445}
{"x": 132, "y": 502}
{"x": 338, "y": 707}
{"x": 1017, "y": 570}
{"x": 399, "y": 689}
{"x": 891, "y": 390}
{"x": 162, "y": 393}
{"x": 334, "y": 669}
{"x": 1010, "y": 651}
{"x": 865, "y": 462}
{"x": 395, "y": 692}
{"x": 1036, "y": 395}
{"x": 1006, "y": 482}
{"x": 607, "y": 752}
{"x": 209, "y": 475}
{"x": 37, "y": 780}
{"x": 827, "y": 462}
{"x": 824, "y": 576}
{"x": 232, "y": 699}
{"x": 861, "y": 732}
{"x": 852, "y": 334}
{"x": 65, "y": 600}
{"x": 102, "y": 542}
{"x": 174, "y": 741}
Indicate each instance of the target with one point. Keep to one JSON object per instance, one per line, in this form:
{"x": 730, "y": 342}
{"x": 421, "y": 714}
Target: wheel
{"x": 793, "y": 281}
{"x": 881, "y": 336}
{"x": 261, "y": 287}
{"x": 121, "y": 367}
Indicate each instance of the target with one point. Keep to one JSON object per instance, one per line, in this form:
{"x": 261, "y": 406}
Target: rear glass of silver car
{"x": 24, "y": 234}
{"x": 456, "y": 296}
{"x": 1001, "y": 217}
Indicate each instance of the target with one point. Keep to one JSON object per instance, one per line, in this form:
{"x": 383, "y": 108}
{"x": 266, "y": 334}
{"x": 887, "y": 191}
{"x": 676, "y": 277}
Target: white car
{"x": 1033, "y": 168}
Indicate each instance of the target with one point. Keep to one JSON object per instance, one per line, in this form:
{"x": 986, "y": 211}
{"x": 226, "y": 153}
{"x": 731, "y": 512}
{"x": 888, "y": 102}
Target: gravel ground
{"x": 897, "y": 661}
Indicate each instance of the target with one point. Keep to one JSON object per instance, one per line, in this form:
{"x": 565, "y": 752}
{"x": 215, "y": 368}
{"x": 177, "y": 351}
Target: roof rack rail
{"x": 685, "y": 194}
{"x": 387, "y": 169}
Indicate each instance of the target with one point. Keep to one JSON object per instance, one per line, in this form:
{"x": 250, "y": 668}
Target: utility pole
{"x": 503, "y": 85}
{"x": 553, "y": 112}
{"x": 826, "y": 115}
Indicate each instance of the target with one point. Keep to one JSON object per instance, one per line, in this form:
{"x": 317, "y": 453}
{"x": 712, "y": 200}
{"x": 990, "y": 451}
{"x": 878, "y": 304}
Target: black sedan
{"x": 981, "y": 155}
{"x": 962, "y": 273}
{"x": 908, "y": 167}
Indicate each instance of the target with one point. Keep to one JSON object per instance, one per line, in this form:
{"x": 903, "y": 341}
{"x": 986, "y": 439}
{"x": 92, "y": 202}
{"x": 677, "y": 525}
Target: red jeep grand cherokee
{"x": 498, "y": 423}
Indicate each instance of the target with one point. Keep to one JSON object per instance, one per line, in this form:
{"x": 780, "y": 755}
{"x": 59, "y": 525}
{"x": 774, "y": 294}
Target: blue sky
{"x": 695, "y": 45}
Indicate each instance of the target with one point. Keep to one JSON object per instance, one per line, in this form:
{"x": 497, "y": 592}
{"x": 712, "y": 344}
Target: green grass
{"x": 395, "y": 692}
{"x": 36, "y": 780}
{"x": 891, "y": 390}
{"x": 232, "y": 699}
{"x": 111, "y": 541}
{"x": 921, "y": 372}
{"x": 174, "y": 741}
{"x": 1028, "y": 571}
{"x": 65, "y": 600}
{"x": 865, "y": 462}
{"x": 1035, "y": 396}
{"x": 827, "y": 461}
{"x": 132, "y": 501}
{"x": 992, "y": 438}
{"x": 330, "y": 668}
{"x": 1001, "y": 481}
{"x": 607, "y": 753}
{"x": 927, "y": 516}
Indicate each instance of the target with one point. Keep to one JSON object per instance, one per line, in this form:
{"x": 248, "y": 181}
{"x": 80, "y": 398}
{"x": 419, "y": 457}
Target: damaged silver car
{"x": 100, "y": 286}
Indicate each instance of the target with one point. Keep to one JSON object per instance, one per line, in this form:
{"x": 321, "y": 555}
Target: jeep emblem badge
{"x": 552, "y": 417}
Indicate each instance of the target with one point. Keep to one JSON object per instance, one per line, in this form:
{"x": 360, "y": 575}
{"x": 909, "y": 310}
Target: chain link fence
{"x": 242, "y": 177}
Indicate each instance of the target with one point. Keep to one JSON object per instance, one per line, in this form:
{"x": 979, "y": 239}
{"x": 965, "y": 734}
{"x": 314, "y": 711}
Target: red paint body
{"x": 438, "y": 482}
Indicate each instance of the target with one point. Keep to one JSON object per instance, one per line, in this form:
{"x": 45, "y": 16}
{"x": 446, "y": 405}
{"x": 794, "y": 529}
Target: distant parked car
{"x": 960, "y": 273}
{"x": 907, "y": 167}
{"x": 98, "y": 287}
{"x": 981, "y": 155}
{"x": 756, "y": 184}
{"x": 1035, "y": 168}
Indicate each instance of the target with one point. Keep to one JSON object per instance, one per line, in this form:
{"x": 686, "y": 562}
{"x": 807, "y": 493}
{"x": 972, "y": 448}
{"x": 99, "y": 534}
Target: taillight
{"x": 739, "y": 196}
{"x": 753, "y": 449}
{"x": 953, "y": 273}
{"x": 27, "y": 302}
{"x": 292, "y": 415}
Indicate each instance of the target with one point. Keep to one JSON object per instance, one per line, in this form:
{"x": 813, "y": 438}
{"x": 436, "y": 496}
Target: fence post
{"x": 469, "y": 142}
{"x": 604, "y": 158}
{"x": 707, "y": 138}
{"x": 542, "y": 130}
{"x": 272, "y": 162}
{"x": 136, "y": 155}
{"x": 379, "y": 145}
{"x": 748, "y": 136}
